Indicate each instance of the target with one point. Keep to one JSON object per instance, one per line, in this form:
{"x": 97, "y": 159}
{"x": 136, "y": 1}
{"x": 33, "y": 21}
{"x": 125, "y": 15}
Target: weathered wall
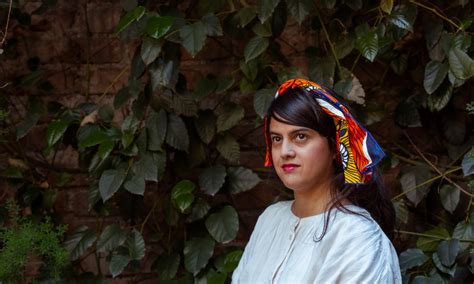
{"x": 82, "y": 57}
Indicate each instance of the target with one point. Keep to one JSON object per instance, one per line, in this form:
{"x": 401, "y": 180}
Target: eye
{"x": 276, "y": 139}
{"x": 301, "y": 136}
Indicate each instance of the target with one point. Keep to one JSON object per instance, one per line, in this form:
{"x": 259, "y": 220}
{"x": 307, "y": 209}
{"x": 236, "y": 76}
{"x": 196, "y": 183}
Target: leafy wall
{"x": 138, "y": 125}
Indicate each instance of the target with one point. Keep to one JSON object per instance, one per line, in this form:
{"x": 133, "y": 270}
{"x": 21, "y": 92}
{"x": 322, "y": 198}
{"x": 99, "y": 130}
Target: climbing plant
{"x": 178, "y": 142}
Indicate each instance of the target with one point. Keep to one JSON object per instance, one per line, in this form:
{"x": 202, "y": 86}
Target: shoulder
{"x": 275, "y": 212}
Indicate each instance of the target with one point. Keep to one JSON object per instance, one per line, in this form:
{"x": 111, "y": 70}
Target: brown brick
{"x": 103, "y": 17}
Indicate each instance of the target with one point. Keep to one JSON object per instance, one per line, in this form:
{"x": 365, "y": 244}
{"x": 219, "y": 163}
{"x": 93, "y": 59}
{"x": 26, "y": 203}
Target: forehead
{"x": 282, "y": 128}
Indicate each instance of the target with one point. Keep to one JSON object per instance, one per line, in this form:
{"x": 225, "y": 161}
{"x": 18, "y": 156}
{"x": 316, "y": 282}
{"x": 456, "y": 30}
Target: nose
{"x": 287, "y": 151}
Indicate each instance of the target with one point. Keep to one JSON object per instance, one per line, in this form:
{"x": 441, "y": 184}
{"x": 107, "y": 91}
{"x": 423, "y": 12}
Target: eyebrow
{"x": 292, "y": 132}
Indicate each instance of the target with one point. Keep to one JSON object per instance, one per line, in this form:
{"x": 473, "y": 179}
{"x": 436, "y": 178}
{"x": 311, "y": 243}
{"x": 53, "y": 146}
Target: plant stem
{"x": 333, "y": 51}
{"x": 433, "y": 10}
{"x": 425, "y": 183}
{"x": 431, "y": 236}
{"x": 435, "y": 168}
{"x": 6, "y": 24}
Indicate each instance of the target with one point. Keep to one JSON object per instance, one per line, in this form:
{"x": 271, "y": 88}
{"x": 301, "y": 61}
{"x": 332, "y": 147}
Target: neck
{"x": 312, "y": 202}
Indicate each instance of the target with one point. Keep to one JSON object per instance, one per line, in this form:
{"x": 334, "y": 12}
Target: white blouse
{"x": 282, "y": 249}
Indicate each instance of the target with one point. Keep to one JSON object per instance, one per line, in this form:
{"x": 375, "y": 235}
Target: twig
{"x": 433, "y": 10}
{"x": 435, "y": 168}
{"x": 430, "y": 236}
{"x": 333, "y": 51}
{"x": 125, "y": 69}
{"x": 148, "y": 215}
{"x": 426, "y": 182}
{"x": 6, "y": 25}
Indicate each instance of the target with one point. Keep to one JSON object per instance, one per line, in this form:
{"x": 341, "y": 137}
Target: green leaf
{"x": 156, "y": 125}
{"x": 210, "y": 6}
{"x": 112, "y": 237}
{"x": 413, "y": 177}
{"x": 412, "y": 258}
{"x": 215, "y": 277}
{"x": 205, "y": 125}
{"x": 118, "y": 263}
{"x": 441, "y": 267}
{"x": 263, "y": 30}
{"x": 110, "y": 182}
{"x": 77, "y": 243}
{"x": 204, "y": 87}
{"x": 407, "y": 115}
{"x": 329, "y": 4}
{"x": 354, "y": 4}
{"x": 94, "y": 136}
{"x": 197, "y": 253}
{"x": 399, "y": 64}
{"x": 447, "y": 251}
{"x": 464, "y": 230}
{"x": 299, "y": 9}
{"x": 266, "y": 8}
{"x": 386, "y": 6}
{"x": 368, "y": 45}
{"x": 449, "y": 197}
{"x": 184, "y": 105}
{"x": 56, "y": 130}
{"x": 440, "y": 98}
{"x": 322, "y": 70}
{"x": 193, "y": 37}
{"x": 35, "y": 110}
{"x": 212, "y": 179}
{"x": 147, "y": 168}
{"x": 241, "y": 179}
{"x": 250, "y": 69}
{"x": 150, "y": 49}
{"x": 135, "y": 185}
{"x": 435, "y": 72}
{"x": 223, "y": 225}
{"x": 344, "y": 46}
{"x": 199, "y": 210}
{"x": 246, "y": 15}
{"x": 429, "y": 244}
{"x": 468, "y": 163}
{"x": 460, "y": 63}
{"x": 401, "y": 211}
{"x": 232, "y": 259}
{"x": 166, "y": 266}
{"x": 262, "y": 100}
{"x": 224, "y": 83}
{"x": 426, "y": 280}
{"x": 158, "y": 26}
{"x": 182, "y": 194}
{"x": 135, "y": 245}
{"x": 130, "y": 17}
{"x": 212, "y": 25}
{"x": 229, "y": 116}
{"x": 163, "y": 74}
{"x": 403, "y": 16}
{"x": 229, "y": 148}
{"x": 256, "y": 46}
{"x": 177, "y": 134}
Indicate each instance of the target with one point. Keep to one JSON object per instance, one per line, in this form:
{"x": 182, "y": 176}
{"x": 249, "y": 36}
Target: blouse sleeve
{"x": 358, "y": 256}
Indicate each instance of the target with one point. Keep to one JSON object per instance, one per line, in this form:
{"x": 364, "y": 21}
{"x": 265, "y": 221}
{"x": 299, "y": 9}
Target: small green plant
{"x": 25, "y": 239}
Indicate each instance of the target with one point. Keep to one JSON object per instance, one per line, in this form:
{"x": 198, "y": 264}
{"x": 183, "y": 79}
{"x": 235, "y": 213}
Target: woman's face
{"x": 301, "y": 156}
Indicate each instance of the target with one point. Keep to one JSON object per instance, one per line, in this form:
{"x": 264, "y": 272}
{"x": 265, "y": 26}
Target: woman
{"x": 335, "y": 230}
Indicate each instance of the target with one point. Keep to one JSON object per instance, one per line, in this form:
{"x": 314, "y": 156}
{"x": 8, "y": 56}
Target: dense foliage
{"x": 179, "y": 142}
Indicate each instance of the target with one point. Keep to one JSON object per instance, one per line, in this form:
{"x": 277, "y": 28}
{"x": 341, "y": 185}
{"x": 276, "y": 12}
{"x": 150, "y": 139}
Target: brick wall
{"x": 74, "y": 41}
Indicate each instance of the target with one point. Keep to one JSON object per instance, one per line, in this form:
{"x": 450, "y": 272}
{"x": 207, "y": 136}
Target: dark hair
{"x": 297, "y": 106}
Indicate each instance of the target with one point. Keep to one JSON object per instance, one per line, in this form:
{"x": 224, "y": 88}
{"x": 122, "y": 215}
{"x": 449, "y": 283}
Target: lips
{"x": 289, "y": 167}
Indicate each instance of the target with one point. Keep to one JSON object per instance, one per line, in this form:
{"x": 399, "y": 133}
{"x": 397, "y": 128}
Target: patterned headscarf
{"x": 358, "y": 150}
